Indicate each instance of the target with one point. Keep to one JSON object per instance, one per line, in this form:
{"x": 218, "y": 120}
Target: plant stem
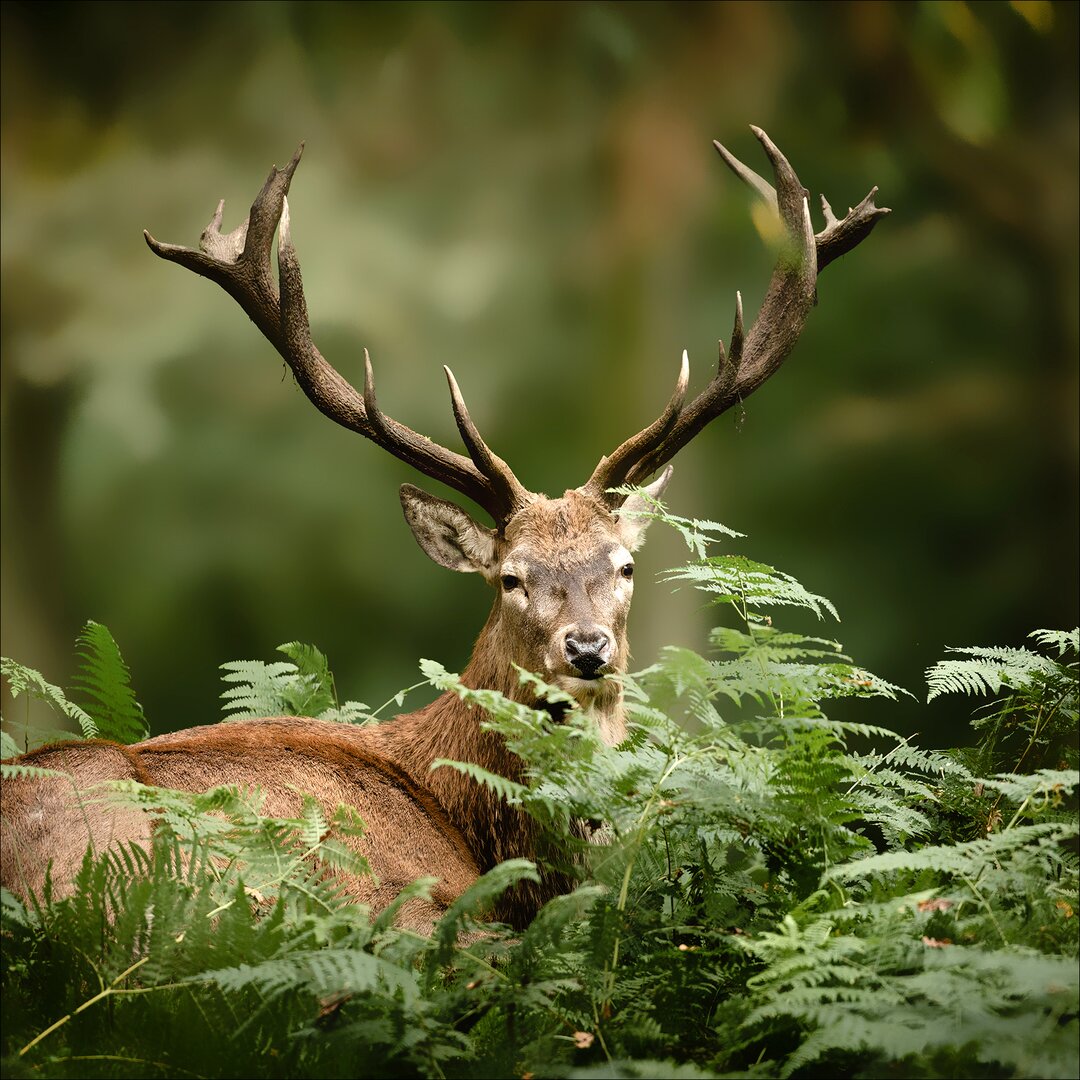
{"x": 101, "y": 996}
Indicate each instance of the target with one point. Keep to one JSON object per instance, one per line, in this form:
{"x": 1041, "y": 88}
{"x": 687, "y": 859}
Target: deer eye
{"x": 628, "y": 570}
{"x": 509, "y": 582}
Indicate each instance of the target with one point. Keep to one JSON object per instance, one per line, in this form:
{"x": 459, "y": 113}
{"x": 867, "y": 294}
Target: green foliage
{"x": 758, "y": 890}
{"x": 104, "y": 682}
{"x": 302, "y": 687}
{"x": 1035, "y": 722}
{"x": 24, "y": 680}
{"x": 988, "y": 670}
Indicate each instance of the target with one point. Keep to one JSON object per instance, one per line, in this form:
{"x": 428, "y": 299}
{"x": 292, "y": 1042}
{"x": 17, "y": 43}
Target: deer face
{"x": 563, "y": 573}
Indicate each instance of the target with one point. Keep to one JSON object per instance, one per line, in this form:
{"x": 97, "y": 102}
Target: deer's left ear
{"x": 447, "y": 534}
{"x": 631, "y": 526}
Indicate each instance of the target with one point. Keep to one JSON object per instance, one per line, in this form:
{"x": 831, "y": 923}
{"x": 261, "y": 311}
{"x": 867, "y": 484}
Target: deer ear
{"x": 632, "y": 528}
{"x": 447, "y": 534}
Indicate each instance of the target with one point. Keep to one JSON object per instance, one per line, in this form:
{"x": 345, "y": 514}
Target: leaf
{"x": 313, "y": 679}
{"x": 967, "y": 858}
{"x": 9, "y": 748}
{"x": 505, "y": 789}
{"x": 1064, "y": 641}
{"x": 986, "y": 672}
{"x": 25, "y": 680}
{"x": 749, "y": 585}
{"x": 105, "y": 683}
{"x": 260, "y": 689}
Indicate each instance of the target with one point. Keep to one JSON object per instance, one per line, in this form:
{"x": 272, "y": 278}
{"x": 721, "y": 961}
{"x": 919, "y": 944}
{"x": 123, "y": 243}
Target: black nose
{"x": 587, "y": 650}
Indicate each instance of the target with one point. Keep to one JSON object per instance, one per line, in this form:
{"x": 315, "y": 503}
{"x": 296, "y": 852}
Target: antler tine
{"x": 791, "y": 295}
{"x": 838, "y": 237}
{"x": 506, "y": 484}
{"x": 239, "y": 262}
{"x": 612, "y": 471}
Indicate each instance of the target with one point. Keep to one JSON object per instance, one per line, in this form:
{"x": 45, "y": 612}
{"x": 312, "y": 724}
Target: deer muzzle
{"x": 588, "y": 649}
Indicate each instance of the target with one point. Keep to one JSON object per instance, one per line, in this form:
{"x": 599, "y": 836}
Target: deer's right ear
{"x": 447, "y": 534}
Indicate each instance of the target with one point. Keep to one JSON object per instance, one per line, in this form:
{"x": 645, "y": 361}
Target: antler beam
{"x": 239, "y": 262}
{"x": 792, "y": 293}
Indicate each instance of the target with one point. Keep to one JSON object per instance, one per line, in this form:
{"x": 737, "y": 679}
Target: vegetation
{"x": 772, "y": 893}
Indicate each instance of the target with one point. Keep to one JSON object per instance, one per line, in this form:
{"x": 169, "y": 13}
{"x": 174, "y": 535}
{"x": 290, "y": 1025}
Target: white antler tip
{"x": 283, "y": 223}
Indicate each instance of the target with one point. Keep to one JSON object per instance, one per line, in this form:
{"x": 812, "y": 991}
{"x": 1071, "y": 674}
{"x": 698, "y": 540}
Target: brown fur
{"x": 418, "y": 821}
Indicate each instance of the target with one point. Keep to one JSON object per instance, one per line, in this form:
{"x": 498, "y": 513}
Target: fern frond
{"x": 930, "y": 762}
{"x": 697, "y": 533}
{"x": 1062, "y": 641}
{"x": 749, "y": 585}
{"x": 476, "y": 901}
{"x": 963, "y": 859}
{"x": 301, "y": 686}
{"x": 771, "y": 644}
{"x": 25, "y": 680}
{"x": 9, "y": 748}
{"x": 508, "y": 790}
{"x": 105, "y": 682}
{"x": 313, "y": 826}
{"x": 349, "y": 712}
{"x": 1049, "y": 787}
{"x": 986, "y": 672}
{"x": 14, "y": 769}
{"x": 313, "y": 672}
{"x": 261, "y": 689}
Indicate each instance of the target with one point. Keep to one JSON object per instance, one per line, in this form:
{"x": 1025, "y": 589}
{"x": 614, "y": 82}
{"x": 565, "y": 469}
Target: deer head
{"x": 562, "y": 568}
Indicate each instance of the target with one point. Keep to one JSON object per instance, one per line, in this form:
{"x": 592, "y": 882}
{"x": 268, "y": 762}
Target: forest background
{"x": 527, "y": 192}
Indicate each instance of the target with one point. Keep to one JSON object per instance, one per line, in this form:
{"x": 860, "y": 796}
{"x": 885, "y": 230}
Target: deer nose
{"x": 588, "y": 649}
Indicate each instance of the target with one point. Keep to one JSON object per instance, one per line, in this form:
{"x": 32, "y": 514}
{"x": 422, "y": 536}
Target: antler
{"x": 240, "y": 263}
{"x": 753, "y": 358}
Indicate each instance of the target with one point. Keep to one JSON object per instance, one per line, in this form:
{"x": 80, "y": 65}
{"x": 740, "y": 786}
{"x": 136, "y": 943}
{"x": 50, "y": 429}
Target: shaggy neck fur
{"x": 449, "y": 728}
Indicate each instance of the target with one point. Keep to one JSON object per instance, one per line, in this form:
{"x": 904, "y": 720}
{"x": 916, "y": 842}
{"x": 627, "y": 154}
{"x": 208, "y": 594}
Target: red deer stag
{"x": 561, "y": 568}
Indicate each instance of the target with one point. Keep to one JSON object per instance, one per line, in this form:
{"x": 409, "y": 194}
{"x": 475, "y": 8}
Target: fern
{"x": 990, "y": 669}
{"x": 104, "y": 681}
{"x": 25, "y": 680}
{"x": 763, "y": 890}
{"x": 262, "y": 690}
{"x": 301, "y": 686}
{"x": 697, "y": 534}
{"x": 748, "y": 585}
{"x": 962, "y": 860}
{"x": 1063, "y": 641}
{"x": 507, "y": 790}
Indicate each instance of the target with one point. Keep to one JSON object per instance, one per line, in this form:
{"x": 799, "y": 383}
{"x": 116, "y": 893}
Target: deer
{"x": 561, "y": 568}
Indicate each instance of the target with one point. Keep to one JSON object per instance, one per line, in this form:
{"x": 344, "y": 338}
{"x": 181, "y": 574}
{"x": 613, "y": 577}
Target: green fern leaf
{"x": 987, "y": 671}
{"x": 969, "y": 858}
{"x": 1063, "y": 641}
{"x": 25, "y": 680}
{"x": 302, "y": 686}
{"x": 261, "y": 689}
{"x": 749, "y": 585}
{"x": 105, "y": 683}
{"x": 313, "y": 676}
{"x": 509, "y": 790}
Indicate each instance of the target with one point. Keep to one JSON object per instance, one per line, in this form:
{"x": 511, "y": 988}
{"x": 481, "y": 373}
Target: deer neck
{"x": 450, "y": 728}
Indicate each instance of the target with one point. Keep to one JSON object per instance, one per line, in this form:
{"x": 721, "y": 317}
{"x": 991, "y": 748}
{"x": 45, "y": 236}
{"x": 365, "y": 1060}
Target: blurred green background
{"x": 528, "y": 193}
